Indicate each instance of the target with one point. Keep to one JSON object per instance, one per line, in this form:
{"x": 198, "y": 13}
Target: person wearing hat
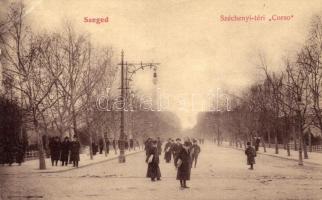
{"x": 176, "y": 149}
{"x": 152, "y": 159}
{"x": 54, "y": 147}
{"x": 195, "y": 150}
{"x": 251, "y": 154}
{"x": 183, "y": 164}
{"x": 74, "y": 152}
{"x": 168, "y": 151}
{"x": 64, "y": 148}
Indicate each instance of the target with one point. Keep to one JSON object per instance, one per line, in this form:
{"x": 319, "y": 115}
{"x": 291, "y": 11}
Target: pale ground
{"x": 221, "y": 174}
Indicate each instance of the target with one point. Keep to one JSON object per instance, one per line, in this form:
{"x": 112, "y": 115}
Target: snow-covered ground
{"x": 221, "y": 174}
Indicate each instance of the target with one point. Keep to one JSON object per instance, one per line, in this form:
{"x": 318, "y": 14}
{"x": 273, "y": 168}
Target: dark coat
{"x": 54, "y": 147}
{"x": 74, "y": 151}
{"x": 168, "y": 151}
{"x": 251, "y": 154}
{"x": 195, "y": 150}
{"x": 147, "y": 147}
{"x": 153, "y": 167}
{"x": 176, "y": 148}
{"x": 65, "y": 148}
{"x": 185, "y": 168}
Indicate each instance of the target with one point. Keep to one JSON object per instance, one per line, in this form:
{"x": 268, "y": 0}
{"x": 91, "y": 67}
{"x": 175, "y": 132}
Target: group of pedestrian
{"x": 10, "y": 153}
{"x": 184, "y": 155}
{"x": 66, "y": 151}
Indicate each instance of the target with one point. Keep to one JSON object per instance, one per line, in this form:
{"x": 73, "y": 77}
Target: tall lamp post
{"x": 127, "y": 71}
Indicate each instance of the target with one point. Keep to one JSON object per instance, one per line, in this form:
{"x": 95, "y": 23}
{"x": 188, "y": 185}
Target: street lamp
{"x": 129, "y": 69}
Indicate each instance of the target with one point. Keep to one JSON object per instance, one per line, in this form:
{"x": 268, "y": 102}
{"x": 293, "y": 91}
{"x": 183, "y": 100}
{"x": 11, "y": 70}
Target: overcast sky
{"x": 198, "y": 53}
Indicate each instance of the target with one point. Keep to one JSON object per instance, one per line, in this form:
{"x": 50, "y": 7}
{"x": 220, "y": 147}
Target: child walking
{"x": 251, "y": 154}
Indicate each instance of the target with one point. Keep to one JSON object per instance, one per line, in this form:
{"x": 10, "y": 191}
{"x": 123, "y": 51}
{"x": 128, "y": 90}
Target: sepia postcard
{"x": 161, "y": 99}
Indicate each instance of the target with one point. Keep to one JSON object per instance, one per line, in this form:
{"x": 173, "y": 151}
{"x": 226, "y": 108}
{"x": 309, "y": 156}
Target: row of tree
{"x": 56, "y": 78}
{"x": 282, "y": 108}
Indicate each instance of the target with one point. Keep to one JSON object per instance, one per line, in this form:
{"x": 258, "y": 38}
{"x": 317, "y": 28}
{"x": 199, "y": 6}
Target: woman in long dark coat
{"x": 65, "y": 147}
{"x": 54, "y": 146}
{"x": 153, "y": 165}
{"x": 183, "y": 163}
{"x": 74, "y": 152}
{"x": 251, "y": 154}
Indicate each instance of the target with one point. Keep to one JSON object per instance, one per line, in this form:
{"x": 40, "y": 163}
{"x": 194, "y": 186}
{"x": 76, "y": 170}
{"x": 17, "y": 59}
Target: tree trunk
{"x": 300, "y": 151}
{"x": 294, "y": 137}
{"x": 264, "y": 145}
{"x": 276, "y": 143}
{"x": 90, "y": 145}
{"x": 288, "y": 148}
{"x": 306, "y": 156}
{"x": 42, "y": 161}
{"x": 104, "y": 144}
{"x": 310, "y": 142}
{"x": 269, "y": 138}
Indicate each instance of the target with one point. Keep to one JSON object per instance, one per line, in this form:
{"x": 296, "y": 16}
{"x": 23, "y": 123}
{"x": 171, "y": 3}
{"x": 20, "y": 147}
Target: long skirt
{"x": 153, "y": 171}
{"x": 184, "y": 171}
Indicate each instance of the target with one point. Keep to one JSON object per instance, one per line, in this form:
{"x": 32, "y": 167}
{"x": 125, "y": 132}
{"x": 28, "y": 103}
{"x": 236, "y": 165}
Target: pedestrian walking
{"x": 176, "y": 148}
{"x": 54, "y": 147}
{"x": 147, "y": 145}
{"x": 183, "y": 164}
{"x": 195, "y": 150}
{"x": 74, "y": 153}
{"x": 251, "y": 154}
{"x": 64, "y": 151}
{"x": 159, "y": 145}
{"x": 152, "y": 159}
{"x": 168, "y": 151}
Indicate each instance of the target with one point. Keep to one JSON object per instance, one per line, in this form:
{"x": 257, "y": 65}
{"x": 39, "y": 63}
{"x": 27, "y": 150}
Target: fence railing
{"x": 31, "y": 155}
{"x": 314, "y": 148}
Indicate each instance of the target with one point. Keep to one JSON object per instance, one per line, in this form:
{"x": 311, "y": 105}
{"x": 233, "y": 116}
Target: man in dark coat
{"x": 183, "y": 164}
{"x": 74, "y": 152}
{"x": 195, "y": 150}
{"x": 147, "y": 145}
{"x": 176, "y": 148}
{"x": 153, "y": 163}
{"x": 168, "y": 151}
{"x": 54, "y": 147}
{"x": 64, "y": 154}
{"x": 251, "y": 154}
